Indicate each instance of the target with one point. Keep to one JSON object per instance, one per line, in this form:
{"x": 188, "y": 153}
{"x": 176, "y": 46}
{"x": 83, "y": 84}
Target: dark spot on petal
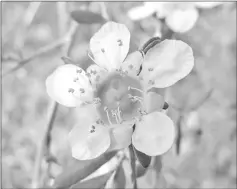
{"x": 103, "y": 50}
{"x": 130, "y": 66}
{"x": 71, "y": 90}
{"x": 120, "y": 43}
{"x": 79, "y": 70}
{"x": 150, "y": 69}
{"x": 82, "y": 90}
{"x": 151, "y": 82}
{"x": 76, "y": 79}
{"x": 88, "y": 75}
{"x": 92, "y": 131}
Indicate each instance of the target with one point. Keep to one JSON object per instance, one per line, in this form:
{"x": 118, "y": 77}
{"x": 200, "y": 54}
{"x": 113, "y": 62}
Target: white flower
{"x": 117, "y": 94}
{"x": 179, "y": 16}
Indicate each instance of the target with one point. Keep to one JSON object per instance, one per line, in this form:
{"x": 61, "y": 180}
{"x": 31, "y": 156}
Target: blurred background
{"x": 204, "y": 103}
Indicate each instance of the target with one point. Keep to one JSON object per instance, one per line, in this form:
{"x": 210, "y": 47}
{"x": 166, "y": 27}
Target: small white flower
{"x": 122, "y": 94}
{"x": 179, "y": 16}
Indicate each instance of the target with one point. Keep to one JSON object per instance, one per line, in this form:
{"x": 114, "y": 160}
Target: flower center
{"x": 120, "y": 98}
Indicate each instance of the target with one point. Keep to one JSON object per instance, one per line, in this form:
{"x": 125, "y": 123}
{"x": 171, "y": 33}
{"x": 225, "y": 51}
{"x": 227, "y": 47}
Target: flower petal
{"x": 167, "y": 63}
{"x": 69, "y": 86}
{"x": 154, "y": 134}
{"x": 153, "y": 102}
{"x": 96, "y": 74}
{"x": 110, "y": 45}
{"x": 140, "y": 12}
{"x": 132, "y": 64}
{"x": 88, "y": 140}
{"x": 182, "y": 20}
{"x": 208, "y": 5}
{"x": 121, "y": 136}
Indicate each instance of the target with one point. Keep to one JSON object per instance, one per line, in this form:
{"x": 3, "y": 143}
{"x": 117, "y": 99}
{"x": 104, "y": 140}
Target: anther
{"x": 88, "y": 75}
{"x": 76, "y": 79}
{"x": 82, "y": 90}
{"x": 114, "y": 114}
{"x": 79, "y": 70}
{"x": 120, "y": 43}
{"x": 71, "y": 90}
{"x": 151, "y": 82}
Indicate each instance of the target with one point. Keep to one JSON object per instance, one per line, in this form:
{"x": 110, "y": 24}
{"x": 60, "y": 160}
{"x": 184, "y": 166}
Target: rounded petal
{"x": 166, "y": 63}
{"x": 121, "y": 136}
{"x": 68, "y": 85}
{"x": 132, "y": 64}
{"x": 88, "y": 140}
{"x": 207, "y": 5}
{"x": 154, "y": 134}
{"x": 110, "y": 45}
{"x": 153, "y": 102}
{"x": 140, "y": 12}
{"x": 96, "y": 74}
{"x": 182, "y": 20}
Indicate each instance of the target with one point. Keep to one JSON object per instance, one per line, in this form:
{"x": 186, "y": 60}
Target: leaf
{"x": 78, "y": 170}
{"x": 143, "y": 159}
{"x": 97, "y": 182}
{"x": 157, "y": 164}
{"x": 140, "y": 170}
{"x": 119, "y": 178}
{"x": 87, "y": 17}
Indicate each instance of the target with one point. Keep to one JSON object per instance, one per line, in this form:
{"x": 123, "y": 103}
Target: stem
{"x": 133, "y": 166}
{"x": 44, "y": 146}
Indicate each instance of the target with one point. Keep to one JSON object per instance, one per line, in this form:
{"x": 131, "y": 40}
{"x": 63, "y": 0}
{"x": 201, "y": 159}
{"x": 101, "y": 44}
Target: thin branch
{"x": 64, "y": 40}
{"x": 44, "y": 145}
{"x": 26, "y": 19}
{"x": 133, "y": 166}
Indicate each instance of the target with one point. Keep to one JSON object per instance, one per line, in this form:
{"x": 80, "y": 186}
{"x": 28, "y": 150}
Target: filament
{"x": 135, "y": 89}
{"x": 107, "y": 113}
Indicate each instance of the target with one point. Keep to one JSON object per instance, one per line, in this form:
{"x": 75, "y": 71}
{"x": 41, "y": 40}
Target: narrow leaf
{"x": 87, "y": 17}
{"x": 143, "y": 159}
{"x": 140, "y": 170}
{"x": 79, "y": 170}
{"x": 97, "y": 182}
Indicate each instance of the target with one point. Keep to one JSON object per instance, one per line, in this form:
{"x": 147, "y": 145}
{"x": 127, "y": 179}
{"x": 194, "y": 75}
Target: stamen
{"x": 107, "y": 112}
{"x": 135, "y": 98}
{"x": 114, "y": 114}
{"x": 119, "y": 115}
{"x": 96, "y": 100}
{"x": 133, "y": 88}
{"x": 82, "y": 90}
{"x": 71, "y": 90}
{"x": 120, "y": 43}
{"x": 79, "y": 71}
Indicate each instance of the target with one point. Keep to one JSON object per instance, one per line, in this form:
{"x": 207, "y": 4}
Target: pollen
{"x": 114, "y": 95}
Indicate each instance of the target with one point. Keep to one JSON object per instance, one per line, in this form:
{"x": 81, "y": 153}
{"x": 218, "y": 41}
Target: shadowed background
{"x": 207, "y": 151}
